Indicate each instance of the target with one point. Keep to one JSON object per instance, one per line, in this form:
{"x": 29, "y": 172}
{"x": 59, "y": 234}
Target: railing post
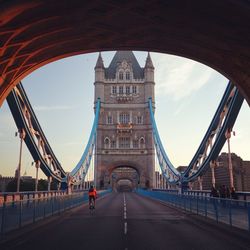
{"x": 216, "y": 210}
{"x": 3, "y": 217}
{"x": 205, "y": 206}
{"x": 34, "y": 210}
{"x": 230, "y": 213}
{"x": 20, "y": 213}
{"x": 248, "y": 211}
{"x": 197, "y": 204}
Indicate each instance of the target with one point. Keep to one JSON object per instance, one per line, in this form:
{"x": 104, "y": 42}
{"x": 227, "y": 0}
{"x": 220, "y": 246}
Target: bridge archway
{"x": 117, "y": 172}
{"x": 125, "y": 185}
{"x": 35, "y": 33}
{"x": 125, "y": 173}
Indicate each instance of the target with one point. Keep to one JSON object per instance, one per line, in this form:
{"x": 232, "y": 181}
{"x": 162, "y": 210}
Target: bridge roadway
{"x": 127, "y": 221}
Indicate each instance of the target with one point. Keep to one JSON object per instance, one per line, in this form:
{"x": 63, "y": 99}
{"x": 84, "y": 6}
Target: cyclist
{"x": 92, "y": 195}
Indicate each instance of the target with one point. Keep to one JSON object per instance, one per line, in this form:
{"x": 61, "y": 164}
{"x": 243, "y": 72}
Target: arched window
{"x": 142, "y": 142}
{"x": 134, "y": 89}
{"x": 106, "y": 143}
{"x": 127, "y": 75}
{"x": 121, "y": 75}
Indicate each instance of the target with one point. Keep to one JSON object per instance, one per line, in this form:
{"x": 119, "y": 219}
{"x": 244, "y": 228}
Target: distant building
{"x": 4, "y": 181}
{"x": 241, "y": 174}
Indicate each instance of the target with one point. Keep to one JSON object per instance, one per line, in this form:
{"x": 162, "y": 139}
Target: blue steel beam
{"x": 223, "y": 120}
{"x": 79, "y": 172}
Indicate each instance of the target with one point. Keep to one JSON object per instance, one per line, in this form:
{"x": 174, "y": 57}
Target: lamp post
{"x": 37, "y": 168}
{"x": 21, "y": 136}
{"x": 230, "y": 165}
{"x": 212, "y": 166}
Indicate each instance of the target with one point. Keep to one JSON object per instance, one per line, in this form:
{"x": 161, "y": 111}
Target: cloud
{"x": 179, "y": 77}
{"x": 53, "y": 108}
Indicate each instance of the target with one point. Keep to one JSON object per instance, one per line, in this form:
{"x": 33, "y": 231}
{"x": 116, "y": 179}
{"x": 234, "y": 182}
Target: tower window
{"x": 124, "y": 142}
{"x": 114, "y": 90}
{"x": 120, "y": 75}
{"x": 135, "y": 144}
{"x": 127, "y": 90}
{"x": 106, "y": 142}
{"x": 127, "y": 75}
{"x": 121, "y": 90}
{"x": 124, "y": 118}
{"x": 134, "y": 89}
{"x": 110, "y": 120}
{"x": 113, "y": 144}
{"x": 139, "y": 119}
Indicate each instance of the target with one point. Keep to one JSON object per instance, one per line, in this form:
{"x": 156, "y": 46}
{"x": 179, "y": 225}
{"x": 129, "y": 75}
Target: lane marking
{"x": 125, "y": 227}
{"x": 125, "y": 216}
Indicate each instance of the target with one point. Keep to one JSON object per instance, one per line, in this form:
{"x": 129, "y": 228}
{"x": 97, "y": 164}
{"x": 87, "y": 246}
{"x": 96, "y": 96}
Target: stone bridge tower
{"x": 124, "y": 147}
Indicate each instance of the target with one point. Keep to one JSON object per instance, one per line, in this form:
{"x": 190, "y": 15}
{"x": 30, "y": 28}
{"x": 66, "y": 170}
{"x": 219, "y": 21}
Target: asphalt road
{"x": 128, "y": 221}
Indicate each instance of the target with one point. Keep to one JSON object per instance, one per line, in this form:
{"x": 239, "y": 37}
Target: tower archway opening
{"x": 124, "y": 178}
{"x": 124, "y": 185}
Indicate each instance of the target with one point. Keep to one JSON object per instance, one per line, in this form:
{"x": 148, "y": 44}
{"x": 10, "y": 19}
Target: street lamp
{"x": 230, "y": 166}
{"x": 22, "y": 134}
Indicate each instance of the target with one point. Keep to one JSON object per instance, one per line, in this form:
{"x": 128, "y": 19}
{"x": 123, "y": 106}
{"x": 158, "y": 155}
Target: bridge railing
{"x": 233, "y": 212}
{"x": 241, "y": 195}
{"x": 18, "y": 213}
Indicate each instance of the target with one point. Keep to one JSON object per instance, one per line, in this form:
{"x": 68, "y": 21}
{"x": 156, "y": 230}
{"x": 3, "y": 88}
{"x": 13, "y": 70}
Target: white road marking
{"x": 125, "y": 227}
{"x": 125, "y": 215}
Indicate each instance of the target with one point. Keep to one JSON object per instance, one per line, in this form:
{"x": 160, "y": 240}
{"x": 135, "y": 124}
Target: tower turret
{"x": 149, "y": 79}
{"x": 99, "y": 78}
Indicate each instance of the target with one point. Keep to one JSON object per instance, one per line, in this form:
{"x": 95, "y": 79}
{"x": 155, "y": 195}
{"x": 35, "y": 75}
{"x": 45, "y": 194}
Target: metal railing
{"x": 233, "y": 212}
{"x": 241, "y": 195}
{"x": 16, "y": 214}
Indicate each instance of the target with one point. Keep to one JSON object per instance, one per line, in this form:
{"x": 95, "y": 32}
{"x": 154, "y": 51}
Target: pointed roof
{"x": 99, "y": 63}
{"x": 118, "y": 58}
{"x": 149, "y": 63}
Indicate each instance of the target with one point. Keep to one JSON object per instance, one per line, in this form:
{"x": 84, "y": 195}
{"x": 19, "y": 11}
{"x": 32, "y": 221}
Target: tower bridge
{"x": 124, "y": 132}
{"x": 124, "y": 138}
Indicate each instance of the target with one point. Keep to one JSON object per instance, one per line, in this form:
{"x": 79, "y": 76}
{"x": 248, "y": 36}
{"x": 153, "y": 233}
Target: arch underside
{"x": 35, "y": 33}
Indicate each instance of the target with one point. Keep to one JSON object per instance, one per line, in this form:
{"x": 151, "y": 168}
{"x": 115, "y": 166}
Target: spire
{"x": 99, "y": 63}
{"x": 149, "y": 63}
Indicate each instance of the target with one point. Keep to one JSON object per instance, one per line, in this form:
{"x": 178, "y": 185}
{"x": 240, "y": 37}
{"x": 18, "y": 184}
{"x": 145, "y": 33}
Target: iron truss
{"x": 211, "y": 145}
{"x": 38, "y": 145}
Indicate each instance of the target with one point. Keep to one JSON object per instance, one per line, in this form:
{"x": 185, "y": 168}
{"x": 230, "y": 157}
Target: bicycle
{"x": 91, "y": 206}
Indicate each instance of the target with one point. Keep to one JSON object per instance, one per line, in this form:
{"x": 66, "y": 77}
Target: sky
{"x": 187, "y": 95}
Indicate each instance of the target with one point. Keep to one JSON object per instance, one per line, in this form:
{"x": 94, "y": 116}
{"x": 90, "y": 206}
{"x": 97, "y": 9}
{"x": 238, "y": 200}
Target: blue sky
{"x": 61, "y": 93}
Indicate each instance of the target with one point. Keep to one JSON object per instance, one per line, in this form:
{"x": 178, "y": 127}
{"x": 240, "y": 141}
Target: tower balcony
{"x": 124, "y": 127}
{"x": 124, "y": 97}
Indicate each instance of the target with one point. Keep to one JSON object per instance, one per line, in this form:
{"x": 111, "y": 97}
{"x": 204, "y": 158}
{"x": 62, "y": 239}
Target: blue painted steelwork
{"x": 78, "y": 174}
{"x": 25, "y": 118}
{"x": 168, "y": 170}
{"x": 211, "y": 144}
